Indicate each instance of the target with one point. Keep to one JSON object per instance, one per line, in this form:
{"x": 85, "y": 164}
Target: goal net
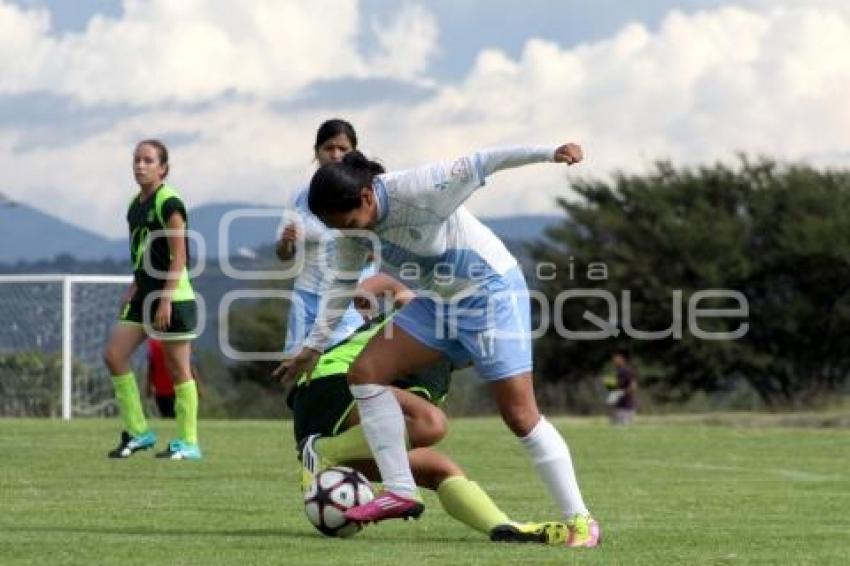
{"x": 52, "y": 332}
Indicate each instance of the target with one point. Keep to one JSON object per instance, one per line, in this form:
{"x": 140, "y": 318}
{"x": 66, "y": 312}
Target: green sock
{"x": 468, "y": 503}
{"x": 130, "y": 403}
{"x": 348, "y": 445}
{"x": 186, "y": 411}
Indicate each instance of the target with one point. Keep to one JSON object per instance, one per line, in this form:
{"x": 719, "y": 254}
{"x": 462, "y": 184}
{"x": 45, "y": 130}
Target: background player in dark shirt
{"x": 161, "y": 303}
{"x": 622, "y": 396}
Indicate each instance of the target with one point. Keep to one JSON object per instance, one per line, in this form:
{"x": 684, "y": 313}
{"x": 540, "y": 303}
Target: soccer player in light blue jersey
{"x": 472, "y": 304}
{"x": 334, "y": 139}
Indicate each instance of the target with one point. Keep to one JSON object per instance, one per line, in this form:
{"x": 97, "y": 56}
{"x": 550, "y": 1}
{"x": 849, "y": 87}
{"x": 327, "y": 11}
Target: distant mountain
{"x": 521, "y": 227}
{"x": 27, "y": 234}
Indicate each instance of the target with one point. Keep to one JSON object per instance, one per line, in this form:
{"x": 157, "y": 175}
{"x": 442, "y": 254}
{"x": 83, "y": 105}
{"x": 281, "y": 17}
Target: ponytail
{"x": 359, "y": 162}
{"x": 336, "y": 187}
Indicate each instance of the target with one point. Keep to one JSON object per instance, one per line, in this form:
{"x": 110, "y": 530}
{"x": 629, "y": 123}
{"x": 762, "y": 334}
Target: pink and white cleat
{"x": 387, "y": 505}
{"x": 583, "y": 530}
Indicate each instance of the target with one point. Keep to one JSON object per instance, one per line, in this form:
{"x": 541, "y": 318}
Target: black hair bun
{"x": 358, "y": 161}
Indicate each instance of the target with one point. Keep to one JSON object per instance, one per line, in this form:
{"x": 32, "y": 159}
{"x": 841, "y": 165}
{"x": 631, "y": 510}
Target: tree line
{"x": 777, "y": 234}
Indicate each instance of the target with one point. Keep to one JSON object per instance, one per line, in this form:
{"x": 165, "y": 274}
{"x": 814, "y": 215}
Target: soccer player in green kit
{"x": 160, "y": 301}
{"x": 327, "y": 429}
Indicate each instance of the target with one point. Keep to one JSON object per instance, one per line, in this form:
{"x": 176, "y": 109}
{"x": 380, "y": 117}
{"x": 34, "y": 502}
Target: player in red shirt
{"x": 160, "y": 384}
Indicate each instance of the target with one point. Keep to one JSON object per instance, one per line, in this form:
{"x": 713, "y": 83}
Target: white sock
{"x": 383, "y": 426}
{"x": 548, "y": 450}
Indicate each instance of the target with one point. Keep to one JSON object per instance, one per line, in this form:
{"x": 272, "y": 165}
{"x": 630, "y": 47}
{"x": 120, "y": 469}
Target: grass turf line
{"x": 664, "y": 492}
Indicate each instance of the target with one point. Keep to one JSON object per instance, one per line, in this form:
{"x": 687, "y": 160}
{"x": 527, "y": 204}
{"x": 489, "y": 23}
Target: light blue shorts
{"x": 302, "y": 315}
{"x": 492, "y": 328}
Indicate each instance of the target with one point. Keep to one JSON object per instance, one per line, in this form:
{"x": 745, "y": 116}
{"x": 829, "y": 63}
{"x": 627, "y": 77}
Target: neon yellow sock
{"x": 468, "y": 503}
{"x": 186, "y": 411}
{"x": 130, "y": 403}
{"x": 349, "y": 444}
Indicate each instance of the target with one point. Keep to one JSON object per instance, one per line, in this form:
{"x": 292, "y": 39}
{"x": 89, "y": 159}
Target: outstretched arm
{"x": 496, "y": 159}
{"x": 444, "y": 186}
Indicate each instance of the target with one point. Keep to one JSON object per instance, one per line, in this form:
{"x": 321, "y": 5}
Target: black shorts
{"x": 184, "y": 318}
{"x": 323, "y": 405}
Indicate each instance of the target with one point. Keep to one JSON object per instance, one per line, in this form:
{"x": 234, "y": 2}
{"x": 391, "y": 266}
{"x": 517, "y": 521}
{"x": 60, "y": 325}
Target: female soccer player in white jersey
{"x": 334, "y": 139}
{"x": 472, "y": 305}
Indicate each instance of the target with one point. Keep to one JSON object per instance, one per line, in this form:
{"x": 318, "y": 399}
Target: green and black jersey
{"x": 147, "y": 220}
{"x": 322, "y": 405}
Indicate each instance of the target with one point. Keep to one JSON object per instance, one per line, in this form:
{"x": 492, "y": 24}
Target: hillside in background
{"x": 29, "y": 236}
{"x": 34, "y": 242}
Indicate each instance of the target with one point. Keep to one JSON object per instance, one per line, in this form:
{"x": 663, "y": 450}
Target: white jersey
{"x": 319, "y": 245}
{"x": 424, "y": 237}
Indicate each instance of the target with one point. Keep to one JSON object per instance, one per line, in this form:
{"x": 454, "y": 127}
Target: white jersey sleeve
{"x": 442, "y": 187}
{"x": 314, "y": 229}
{"x": 317, "y": 241}
{"x": 350, "y": 260}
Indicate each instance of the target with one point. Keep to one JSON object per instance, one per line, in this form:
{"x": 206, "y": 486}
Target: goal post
{"x": 68, "y": 313}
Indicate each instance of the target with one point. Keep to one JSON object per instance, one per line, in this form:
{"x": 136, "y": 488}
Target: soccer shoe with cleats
{"x": 583, "y": 531}
{"x": 129, "y": 445}
{"x": 550, "y": 532}
{"x": 387, "y": 505}
{"x": 180, "y": 450}
{"x": 311, "y": 461}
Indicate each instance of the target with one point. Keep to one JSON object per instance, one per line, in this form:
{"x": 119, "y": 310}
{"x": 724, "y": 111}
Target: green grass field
{"x": 665, "y": 492}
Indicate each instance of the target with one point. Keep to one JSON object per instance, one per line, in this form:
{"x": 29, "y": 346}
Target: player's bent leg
{"x": 514, "y": 397}
{"x": 387, "y": 355}
{"x": 549, "y": 453}
{"x": 431, "y": 468}
{"x": 425, "y": 422}
{"x": 462, "y": 499}
{"x": 390, "y": 354}
{"x": 465, "y": 501}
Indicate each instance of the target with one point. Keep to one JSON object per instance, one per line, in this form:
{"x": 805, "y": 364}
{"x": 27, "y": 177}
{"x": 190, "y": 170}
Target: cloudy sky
{"x": 237, "y": 89}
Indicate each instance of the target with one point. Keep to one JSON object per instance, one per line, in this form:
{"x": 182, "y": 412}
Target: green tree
{"x": 778, "y": 234}
{"x": 256, "y": 326}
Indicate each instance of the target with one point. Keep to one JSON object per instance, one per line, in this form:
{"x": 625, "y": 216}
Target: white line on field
{"x": 795, "y": 475}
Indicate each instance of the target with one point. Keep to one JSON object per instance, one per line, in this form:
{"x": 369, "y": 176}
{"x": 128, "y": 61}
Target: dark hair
{"x": 625, "y": 353}
{"x": 161, "y": 151}
{"x": 335, "y": 187}
{"x": 331, "y": 129}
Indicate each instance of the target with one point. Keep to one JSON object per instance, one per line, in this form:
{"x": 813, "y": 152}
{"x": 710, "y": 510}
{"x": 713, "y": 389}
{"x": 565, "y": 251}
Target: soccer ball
{"x": 331, "y": 492}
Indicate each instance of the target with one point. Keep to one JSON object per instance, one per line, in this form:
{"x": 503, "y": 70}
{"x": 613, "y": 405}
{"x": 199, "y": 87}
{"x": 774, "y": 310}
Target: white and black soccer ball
{"x": 330, "y": 494}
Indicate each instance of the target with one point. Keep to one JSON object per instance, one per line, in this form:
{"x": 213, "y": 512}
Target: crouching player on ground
{"x": 327, "y": 432}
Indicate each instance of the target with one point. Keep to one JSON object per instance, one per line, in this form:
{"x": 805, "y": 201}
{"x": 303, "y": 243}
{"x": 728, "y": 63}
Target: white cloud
{"x": 407, "y": 43}
{"x": 22, "y": 48}
{"x": 763, "y": 79}
{"x": 196, "y": 50}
